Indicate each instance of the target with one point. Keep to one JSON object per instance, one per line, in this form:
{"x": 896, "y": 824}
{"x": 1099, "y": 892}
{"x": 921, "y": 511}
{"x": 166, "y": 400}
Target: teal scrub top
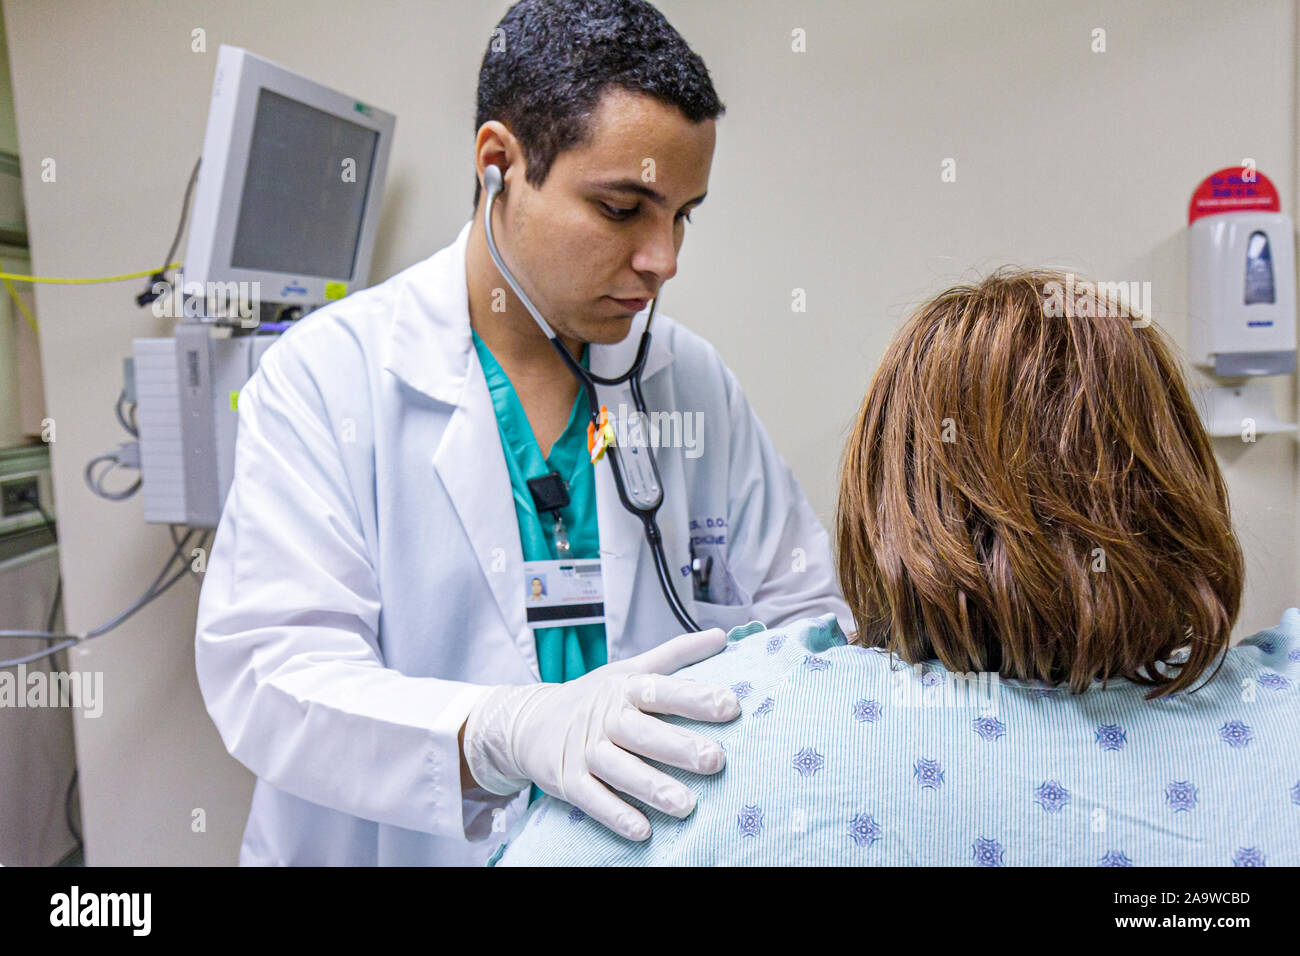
{"x": 563, "y": 653}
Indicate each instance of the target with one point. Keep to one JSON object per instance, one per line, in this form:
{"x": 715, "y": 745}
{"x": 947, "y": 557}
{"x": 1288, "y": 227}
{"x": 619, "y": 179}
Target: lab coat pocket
{"x": 725, "y": 616}
{"x": 728, "y": 604}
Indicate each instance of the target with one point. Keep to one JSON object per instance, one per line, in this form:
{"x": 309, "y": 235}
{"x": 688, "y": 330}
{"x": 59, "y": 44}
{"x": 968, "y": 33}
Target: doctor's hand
{"x": 569, "y": 737}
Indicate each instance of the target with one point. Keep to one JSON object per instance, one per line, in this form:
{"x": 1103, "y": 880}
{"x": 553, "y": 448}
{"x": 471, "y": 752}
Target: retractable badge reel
{"x": 550, "y": 494}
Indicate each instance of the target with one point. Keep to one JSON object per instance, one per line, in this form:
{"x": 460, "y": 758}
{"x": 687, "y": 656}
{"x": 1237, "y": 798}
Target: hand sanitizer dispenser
{"x": 1241, "y": 296}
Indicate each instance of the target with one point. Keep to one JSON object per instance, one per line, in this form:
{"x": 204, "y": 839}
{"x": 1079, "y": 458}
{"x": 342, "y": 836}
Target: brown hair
{"x": 999, "y": 446}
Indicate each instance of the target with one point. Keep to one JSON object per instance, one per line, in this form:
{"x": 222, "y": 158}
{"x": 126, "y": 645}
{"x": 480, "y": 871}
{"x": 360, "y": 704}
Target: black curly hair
{"x": 548, "y": 62}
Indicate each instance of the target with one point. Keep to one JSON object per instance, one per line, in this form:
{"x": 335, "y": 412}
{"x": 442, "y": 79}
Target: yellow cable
{"x": 122, "y": 278}
{"x": 22, "y": 306}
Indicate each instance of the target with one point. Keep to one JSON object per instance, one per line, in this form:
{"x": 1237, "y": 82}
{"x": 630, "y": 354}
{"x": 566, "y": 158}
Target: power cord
{"x": 149, "y": 295}
{"x": 154, "y": 591}
{"x": 131, "y": 426}
{"x": 126, "y": 455}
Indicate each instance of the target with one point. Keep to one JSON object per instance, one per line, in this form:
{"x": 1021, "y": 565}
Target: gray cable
{"x": 185, "y": 214}
{"x": 144, "y": 599}
{"x": 21, "y": 635}
{"x": 152, "y": 593}
{"x": 121, "y": 417}
{"x": 95, "y": 482}
{"x": 49, "y": 651}
{"x": 178, "y": 547}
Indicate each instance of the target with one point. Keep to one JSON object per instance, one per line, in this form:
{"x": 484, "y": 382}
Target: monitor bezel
{"x": 232, "y": 114}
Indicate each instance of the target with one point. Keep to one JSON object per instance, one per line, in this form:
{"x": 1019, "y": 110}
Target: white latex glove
{"x": 564, "y": 736}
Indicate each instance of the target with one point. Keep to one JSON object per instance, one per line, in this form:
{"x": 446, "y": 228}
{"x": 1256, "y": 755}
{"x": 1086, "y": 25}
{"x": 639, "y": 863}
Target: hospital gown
{"x": 842, "y": 756}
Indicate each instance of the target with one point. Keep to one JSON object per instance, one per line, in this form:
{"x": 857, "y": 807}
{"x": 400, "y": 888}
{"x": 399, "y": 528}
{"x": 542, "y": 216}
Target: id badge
{"x": 564, "y": 593}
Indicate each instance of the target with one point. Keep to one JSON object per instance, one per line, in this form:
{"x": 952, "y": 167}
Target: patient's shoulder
{"x": 816, "y": 644}
{"x": 1277, "y": 647}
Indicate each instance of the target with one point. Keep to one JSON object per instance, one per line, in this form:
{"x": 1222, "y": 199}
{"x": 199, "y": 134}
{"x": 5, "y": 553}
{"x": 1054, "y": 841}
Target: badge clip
{"x": 600, "y": 435}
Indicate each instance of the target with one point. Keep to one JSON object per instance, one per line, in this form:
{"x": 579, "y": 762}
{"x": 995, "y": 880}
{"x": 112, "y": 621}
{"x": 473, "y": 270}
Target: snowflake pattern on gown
{"x": 1273, "y": 681}
{"x": 990, "y": 728}
{"x": 928, "y": 773}
{"x": 1111, "y": 737}
{"x": 868, "y": 710}
{"x": 1180, "y": 795}
{"x": 1247, "y": 856}
{"x": 750, "y": 821}
{"x": 987, "y": 852}
{"x": 1236, "y": 734}
{"x": 1051, "y": 796}
{"x": 864, "y": 829}
{"x": 808, "y": 761}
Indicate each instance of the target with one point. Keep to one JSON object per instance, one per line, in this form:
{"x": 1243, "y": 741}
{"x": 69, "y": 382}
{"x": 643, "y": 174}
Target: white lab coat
{"x": 366, "y": 584}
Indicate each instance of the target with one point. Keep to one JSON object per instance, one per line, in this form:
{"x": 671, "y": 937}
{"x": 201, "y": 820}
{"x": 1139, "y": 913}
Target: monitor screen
{"x": 299, "y": 214}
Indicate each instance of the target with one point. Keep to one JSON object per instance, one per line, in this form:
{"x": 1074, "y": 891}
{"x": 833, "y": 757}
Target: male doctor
{"x": 366, "y": 643}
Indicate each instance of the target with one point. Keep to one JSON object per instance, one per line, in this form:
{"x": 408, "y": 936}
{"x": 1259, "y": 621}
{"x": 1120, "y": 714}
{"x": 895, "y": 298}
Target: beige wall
{"x": 826, "y": 179}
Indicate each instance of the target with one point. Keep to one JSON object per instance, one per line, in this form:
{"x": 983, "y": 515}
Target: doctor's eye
{"x": 618, "y": 212}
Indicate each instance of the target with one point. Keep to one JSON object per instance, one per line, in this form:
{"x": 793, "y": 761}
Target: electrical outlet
{"x": 17, "y": 495}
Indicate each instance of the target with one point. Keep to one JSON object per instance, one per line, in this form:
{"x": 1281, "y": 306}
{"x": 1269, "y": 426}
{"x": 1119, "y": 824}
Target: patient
{"x": 1034, "y": 539}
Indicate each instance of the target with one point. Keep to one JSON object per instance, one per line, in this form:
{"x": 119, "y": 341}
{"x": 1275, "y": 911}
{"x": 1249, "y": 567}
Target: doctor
{"x": 381, "y": 637}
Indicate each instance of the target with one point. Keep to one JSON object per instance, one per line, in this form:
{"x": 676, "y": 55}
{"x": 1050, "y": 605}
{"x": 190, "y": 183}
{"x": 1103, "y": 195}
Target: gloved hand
{"x": 565, "y": 736}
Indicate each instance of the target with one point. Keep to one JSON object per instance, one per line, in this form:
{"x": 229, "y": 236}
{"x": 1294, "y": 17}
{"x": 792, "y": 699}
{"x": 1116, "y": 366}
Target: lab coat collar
{"x": 430, "y": 345}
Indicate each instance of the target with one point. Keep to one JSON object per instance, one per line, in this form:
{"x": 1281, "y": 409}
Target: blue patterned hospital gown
{"x": 842, "y": 757}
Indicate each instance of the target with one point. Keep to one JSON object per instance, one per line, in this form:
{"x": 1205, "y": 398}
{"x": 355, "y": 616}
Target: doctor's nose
{"x": 657, "y": 254}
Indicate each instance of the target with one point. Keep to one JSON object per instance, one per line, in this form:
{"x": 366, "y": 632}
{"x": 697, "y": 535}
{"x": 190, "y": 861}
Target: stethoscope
{"x": 636, "y": 476}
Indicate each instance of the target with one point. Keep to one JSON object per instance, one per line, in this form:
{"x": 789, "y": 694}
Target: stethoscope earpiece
{"x": 492, "y": 180}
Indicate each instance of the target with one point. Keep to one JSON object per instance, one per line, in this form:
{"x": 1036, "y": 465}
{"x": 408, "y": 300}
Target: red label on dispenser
{"x": 1235, "y": 189}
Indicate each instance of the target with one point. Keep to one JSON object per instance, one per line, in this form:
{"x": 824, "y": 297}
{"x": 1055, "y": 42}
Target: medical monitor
{"x": 289, "y": 186}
